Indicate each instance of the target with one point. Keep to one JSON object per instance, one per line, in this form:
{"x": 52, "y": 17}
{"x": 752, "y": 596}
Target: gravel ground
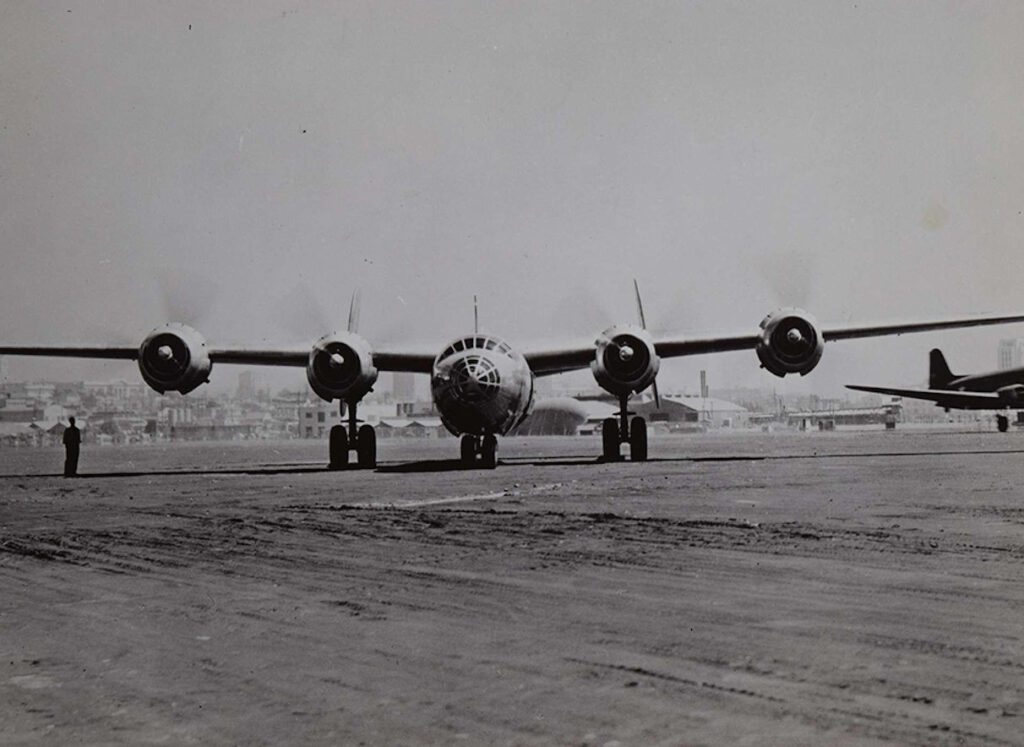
{"x": 746, "y": 588}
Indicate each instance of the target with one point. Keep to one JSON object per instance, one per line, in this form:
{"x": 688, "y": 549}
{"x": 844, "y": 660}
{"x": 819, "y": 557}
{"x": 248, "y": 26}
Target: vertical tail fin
{"x": 939, "y": 374}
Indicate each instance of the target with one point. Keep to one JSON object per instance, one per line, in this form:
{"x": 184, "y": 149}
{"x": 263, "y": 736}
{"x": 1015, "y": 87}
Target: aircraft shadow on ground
{"x": 456, "y": 465}
{"x": 176, "y": 472}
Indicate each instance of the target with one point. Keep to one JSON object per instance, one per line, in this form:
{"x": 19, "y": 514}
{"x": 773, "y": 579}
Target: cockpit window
{"x": 477, "y": 342}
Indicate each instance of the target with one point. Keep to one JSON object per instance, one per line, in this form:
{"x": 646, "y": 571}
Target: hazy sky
{"x": 862, "y": 159}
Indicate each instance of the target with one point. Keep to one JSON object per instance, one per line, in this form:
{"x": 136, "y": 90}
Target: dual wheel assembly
{"x": 613, "y": 436}
{"x": 364, "y": 444}
{"x": 479, "y": 451}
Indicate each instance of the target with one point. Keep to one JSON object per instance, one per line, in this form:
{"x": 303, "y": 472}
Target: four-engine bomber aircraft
{"x": 481, "y": 386}
{"x": 993, "y": 390}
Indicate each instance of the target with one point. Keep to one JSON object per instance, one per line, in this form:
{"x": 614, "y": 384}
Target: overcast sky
{"x": 862, "y": 159}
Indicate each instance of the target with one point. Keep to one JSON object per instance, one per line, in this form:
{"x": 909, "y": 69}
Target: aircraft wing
{"x": 573, "y": 358}
{"x": 384, "y": 360}
{"x": 298, "y": 356}
{"x": 547, "y": 362}
{"x": 543, "y": 362}
{"x": 73, "y": 351}
{"x": 852, "y": 331}
{"x": 282, "y": 357}
{"x": 951, "y": 398}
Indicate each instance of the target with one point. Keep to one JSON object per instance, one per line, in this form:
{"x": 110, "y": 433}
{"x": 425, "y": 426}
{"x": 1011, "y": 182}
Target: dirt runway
{"x": 839, "y": 588}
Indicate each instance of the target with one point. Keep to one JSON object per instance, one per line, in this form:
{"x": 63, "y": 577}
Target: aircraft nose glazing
{"x": 474, "y": 378}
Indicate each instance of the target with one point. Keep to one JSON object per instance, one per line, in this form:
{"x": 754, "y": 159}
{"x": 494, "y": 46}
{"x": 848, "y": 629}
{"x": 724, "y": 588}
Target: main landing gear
{"x": 479, "y": 451}
{"x": 361, "y": 439}
{"x": 623, "y": 430}
{"x": 1003, "y": 423}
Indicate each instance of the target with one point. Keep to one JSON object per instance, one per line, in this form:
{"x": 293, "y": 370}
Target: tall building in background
{"x": 1011, "y": 354}
{"x": 403, "y": 386}
{"x": 247, "y": 385}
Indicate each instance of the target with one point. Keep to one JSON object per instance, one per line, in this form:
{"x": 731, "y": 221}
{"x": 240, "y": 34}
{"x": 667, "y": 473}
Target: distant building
{"x": 247, "y": 385}
{"x": 706, "y": 411}
{"x": 316, "y": 418}
{"x": 411, "y": 428}
{"x": 40, "y": 391}
{"x": 19, "y": 411}
{"x": 403, "y": 386}
{"x": 1010, "y": 354}
{"x": 585, "y": 415}
{"x": 826, "y": 420}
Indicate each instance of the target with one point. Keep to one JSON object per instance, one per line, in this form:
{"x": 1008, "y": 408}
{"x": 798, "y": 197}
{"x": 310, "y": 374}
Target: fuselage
{"x": 481, "y": 386}
{"x": 987, "y": 382}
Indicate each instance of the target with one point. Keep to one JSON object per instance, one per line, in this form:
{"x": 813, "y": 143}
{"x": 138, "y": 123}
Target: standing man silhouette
{"x": 72, "y": 440}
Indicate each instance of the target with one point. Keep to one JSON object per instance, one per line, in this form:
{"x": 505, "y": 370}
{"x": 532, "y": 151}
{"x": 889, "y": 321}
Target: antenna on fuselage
{"x": 643, "y": 324}
{"x": 353, "y": 312}
{"x": 476, "y": 317}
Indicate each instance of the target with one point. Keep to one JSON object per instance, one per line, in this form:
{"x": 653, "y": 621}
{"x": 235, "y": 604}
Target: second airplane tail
{"x": 939, "y": 374}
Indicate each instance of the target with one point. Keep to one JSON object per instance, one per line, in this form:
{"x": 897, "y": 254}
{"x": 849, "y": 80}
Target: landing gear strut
{"x": 361, "y": 439}
{"x": 479, "y": 451}
{"x": 623, "y": 430}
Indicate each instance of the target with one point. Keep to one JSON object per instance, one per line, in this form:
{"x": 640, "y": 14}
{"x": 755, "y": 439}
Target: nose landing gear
{"x": 623, "y": 430}
{"x": 361, "y": 439}
{"x": 479, "y": 451}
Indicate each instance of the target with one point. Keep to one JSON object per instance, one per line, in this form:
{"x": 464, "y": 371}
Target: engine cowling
{"x": 625, "y": 360}
{"x": 1012, "y": 395}
{"x": 174, "y": 358}
{"x": 341, "y": 367}
{"x": 790, "y": 342}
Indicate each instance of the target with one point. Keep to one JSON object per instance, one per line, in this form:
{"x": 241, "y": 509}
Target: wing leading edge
{"x": 296, "y": 357}
{"x": 547, "y": 362}
{"x": 543, "y": 362}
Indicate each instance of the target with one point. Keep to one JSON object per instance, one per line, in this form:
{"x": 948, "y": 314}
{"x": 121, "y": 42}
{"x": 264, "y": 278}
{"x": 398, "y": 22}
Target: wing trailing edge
{"x": 950, "y": 398}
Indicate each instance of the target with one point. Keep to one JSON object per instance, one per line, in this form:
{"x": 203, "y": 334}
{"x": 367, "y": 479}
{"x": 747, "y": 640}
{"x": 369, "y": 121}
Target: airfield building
{"x": 1010, "y": 354}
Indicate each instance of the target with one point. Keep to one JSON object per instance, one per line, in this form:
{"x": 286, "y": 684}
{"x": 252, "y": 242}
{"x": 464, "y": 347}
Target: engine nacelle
{"x": 625, "y": 360}
{"x": 341, "y": 367}
{"x": 1012, "y": 395}
{"x": 174, "y": 358}
{"x": 790, "y": 342}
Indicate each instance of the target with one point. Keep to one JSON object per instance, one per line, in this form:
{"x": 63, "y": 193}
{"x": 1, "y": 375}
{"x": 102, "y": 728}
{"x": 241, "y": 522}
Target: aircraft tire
{"x": 1002, "y": 423}
{"x": 638, "y": 440}
{"x": 610, "y": 440}
{"x": 467, "y": 449}
{"x": 338, "y": 448}
{"x": 366, "y": 447}
{"x": 489, "y": 452}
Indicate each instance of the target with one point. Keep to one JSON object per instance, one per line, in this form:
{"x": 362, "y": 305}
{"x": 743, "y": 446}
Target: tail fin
{"x": 939, "y": 374}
